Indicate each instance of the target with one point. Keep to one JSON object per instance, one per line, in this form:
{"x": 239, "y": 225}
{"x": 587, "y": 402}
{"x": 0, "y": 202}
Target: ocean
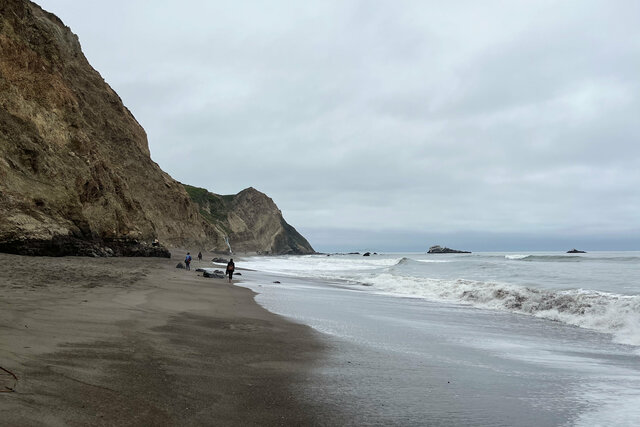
{"x": 519, "y": 338}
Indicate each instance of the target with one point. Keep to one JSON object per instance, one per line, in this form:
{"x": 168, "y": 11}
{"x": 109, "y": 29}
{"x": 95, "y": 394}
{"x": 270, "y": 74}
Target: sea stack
{"x": 440, "y": 250}
{"x": 576, "y": 251}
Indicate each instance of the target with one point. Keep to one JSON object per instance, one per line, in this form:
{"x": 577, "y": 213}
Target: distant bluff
{"x": 251, "y": 220}
{"x": 75, "y": 171}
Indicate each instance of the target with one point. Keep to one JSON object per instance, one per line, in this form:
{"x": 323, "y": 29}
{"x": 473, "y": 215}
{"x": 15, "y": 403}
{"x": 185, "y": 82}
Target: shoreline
{"x": 132, "y": 341}
{"x": 401, "y": 359}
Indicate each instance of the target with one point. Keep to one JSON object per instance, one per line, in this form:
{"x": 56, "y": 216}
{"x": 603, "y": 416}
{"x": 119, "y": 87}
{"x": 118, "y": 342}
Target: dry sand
{"x": 135, "y": 341}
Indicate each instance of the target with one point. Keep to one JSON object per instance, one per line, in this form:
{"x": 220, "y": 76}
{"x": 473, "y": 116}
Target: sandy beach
{"x": 135, "y": 341}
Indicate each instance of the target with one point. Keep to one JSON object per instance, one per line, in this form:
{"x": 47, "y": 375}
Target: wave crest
{"x": 546, "y": 258}
{"x": 604, "y": 312}
{"x": 404, "y": 261}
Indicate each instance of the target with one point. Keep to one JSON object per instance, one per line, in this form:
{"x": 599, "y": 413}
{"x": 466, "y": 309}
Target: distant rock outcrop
{"x": 440, "y": 250}
{"x": 76, "y": 177}
{"x": 576, "y": 251}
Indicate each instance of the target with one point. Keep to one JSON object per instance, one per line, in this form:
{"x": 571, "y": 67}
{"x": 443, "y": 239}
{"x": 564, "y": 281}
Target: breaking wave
{"x": 492, "y": 283}
{"x": 600, "y": 311}
{"x": 546, "y": 258}
{"x": 404, "y": 261}
{"x": 568, "y": 258}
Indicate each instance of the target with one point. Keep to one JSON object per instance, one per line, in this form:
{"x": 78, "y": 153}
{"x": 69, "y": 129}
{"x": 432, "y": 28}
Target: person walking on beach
{"x": 199, "y": 256}
{"x": 230, "y": 267}
{"x": 187, "y": 261}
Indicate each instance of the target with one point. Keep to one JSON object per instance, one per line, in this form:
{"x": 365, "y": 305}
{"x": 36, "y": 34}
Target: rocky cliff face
{"x": 75, "y": 170}
{"x": 251, "y": 221}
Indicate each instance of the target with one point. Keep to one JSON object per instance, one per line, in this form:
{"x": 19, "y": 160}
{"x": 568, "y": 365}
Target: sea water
{"x": 473, "y": 339}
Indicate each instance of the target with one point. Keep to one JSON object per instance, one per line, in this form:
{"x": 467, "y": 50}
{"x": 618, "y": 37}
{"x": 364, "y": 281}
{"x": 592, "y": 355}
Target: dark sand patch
{"x": 131, "y": 341}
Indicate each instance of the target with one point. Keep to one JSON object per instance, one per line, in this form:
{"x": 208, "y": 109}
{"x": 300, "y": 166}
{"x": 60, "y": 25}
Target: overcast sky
{"x": 391, "y": 125}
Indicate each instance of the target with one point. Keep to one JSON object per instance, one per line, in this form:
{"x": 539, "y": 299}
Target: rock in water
{"x": 76, "y": 176}
{"x": 440, "y": 250}
{"x": 576, "y": 251}
{"x": 213, "y": 275}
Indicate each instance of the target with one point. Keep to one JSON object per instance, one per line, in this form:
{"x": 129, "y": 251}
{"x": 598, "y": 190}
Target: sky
{"x": 391, "y": 125}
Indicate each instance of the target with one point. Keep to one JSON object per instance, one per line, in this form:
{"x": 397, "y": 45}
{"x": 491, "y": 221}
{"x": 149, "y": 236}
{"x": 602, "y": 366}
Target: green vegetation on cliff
{"x": 211, "y": 206}
{"x": 251, "y": 220}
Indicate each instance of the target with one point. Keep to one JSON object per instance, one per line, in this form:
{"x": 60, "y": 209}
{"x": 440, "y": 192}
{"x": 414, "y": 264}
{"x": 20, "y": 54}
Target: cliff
{"x": 251, "y": 221}
{"x": 76, "y": 176}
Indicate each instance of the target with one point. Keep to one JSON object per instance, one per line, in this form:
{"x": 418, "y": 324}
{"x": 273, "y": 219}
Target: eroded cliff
{"x": 76, "y": 176}
{"x": 251, "y": 221}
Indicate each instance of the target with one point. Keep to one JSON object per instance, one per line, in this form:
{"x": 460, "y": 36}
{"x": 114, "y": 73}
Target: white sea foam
{"x": 597, "y": 307}
{"x": 604, "y": 312}
{"x": 615, "y": 405}
{"x": 320, "y": 266}
{"x": 516, "y": 256}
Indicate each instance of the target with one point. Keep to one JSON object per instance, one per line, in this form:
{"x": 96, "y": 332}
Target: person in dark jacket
{"x": 230, "y": 267}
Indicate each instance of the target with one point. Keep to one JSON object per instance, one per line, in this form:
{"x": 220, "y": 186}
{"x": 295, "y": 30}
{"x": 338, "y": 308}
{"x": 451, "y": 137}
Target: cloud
{"x": 413, "y": 116}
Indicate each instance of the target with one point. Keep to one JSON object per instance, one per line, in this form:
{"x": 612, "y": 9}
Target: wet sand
{"x": 135, "y": 341}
